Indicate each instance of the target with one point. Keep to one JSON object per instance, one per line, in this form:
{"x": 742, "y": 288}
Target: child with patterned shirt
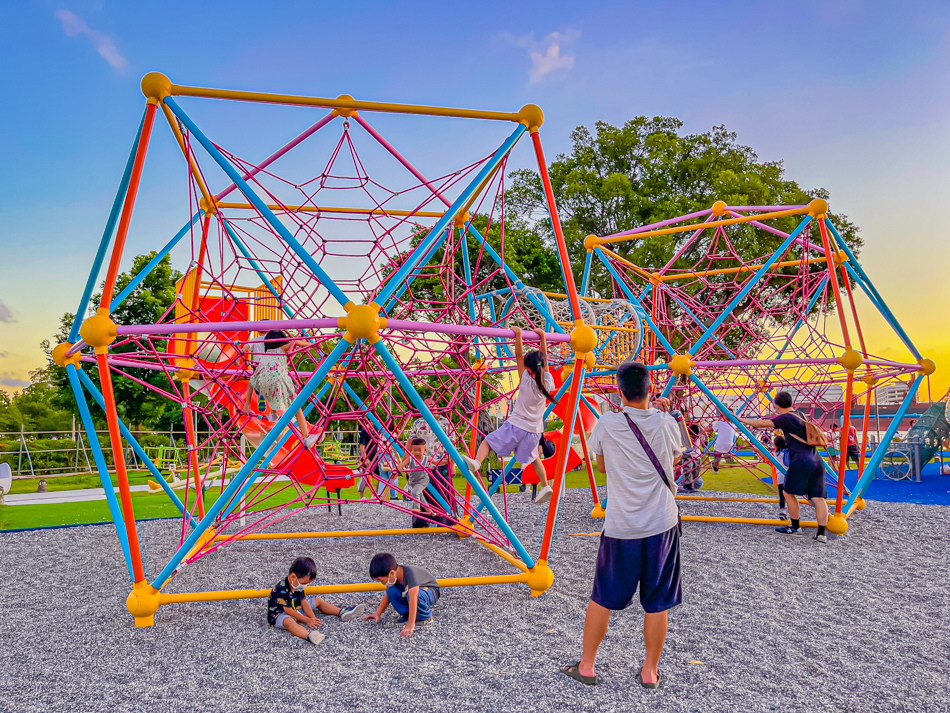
{"x": 289, "y": 609}
{"x": 415, "y": 463}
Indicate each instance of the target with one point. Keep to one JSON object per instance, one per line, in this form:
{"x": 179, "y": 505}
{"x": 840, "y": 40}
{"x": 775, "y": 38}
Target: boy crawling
{"x": 412, "y": 591}
{"x": 289, "y": 609}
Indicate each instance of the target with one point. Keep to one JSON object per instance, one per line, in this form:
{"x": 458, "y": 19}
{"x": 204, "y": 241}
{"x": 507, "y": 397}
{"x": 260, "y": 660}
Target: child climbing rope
{"x": 271, "y": 379}
{"x": 521, "y": 432}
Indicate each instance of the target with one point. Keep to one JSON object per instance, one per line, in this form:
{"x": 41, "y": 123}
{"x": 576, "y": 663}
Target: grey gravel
{"x": 778, "y": 623}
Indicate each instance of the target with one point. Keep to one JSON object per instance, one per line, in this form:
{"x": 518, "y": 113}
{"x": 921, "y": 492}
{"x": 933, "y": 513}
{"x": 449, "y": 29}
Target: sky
{"x": 853, "y": 96}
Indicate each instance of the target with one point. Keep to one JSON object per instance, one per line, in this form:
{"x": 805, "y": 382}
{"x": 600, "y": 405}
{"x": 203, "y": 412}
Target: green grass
{"x": 150, "y": 505}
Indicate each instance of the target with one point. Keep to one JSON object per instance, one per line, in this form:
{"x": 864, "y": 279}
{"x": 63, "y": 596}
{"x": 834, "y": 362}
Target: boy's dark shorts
{"x": 652, "y": 562}
{"x": 806, "y": 478}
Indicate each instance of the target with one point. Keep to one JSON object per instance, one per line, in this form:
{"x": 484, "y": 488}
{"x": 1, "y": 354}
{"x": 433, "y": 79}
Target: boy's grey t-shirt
{"x": 413, "y": 576}
{"x": 639, "y": 504}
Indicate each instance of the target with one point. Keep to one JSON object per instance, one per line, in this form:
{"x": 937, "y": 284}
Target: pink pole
{"x": 280, "y": 152}
{"x": 661, "y": 224}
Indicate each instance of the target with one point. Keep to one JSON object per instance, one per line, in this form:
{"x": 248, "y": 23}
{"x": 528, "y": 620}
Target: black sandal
{"x": 655, "y": 684}
{"x": 574, "y": 672}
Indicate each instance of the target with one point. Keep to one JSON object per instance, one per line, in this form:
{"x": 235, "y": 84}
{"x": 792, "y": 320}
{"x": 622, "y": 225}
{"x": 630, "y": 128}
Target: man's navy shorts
{"x": 652, "y": 562}
{"x": 806, "y": 477}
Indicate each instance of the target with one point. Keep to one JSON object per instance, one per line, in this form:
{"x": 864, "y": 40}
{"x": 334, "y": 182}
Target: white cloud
{"x": 6, "y": 314}
{"x": 74, "y": 26}
{"x": 546, "y": 55}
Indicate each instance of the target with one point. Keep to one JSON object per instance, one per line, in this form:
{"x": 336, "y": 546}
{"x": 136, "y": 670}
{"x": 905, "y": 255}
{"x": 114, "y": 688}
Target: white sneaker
{"x": 272, "y": 416}
{"x": 351, "y": 613}
{"x": 311, "y": 440}
{"x": 782, "y": 514}
{"x": 473, "y": 464}
{"x": 315, "y": 637}
{"x": 543, "y": 494}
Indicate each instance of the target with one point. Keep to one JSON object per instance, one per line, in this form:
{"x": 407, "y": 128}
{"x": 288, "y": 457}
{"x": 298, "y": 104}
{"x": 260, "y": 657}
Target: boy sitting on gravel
{"x": 412, "y": 591}
{"x": 289, "y": 609}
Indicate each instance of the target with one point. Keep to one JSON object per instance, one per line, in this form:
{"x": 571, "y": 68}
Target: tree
{"x": 146, "y": 304}
{"x": 619, "y": 178}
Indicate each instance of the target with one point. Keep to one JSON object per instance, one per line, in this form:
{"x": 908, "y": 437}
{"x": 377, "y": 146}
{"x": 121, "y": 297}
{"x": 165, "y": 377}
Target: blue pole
{"x": 106, "y": 238}
{"x": 282, "y": 423}
{"x": 633, "y": 298}
{"x": 153, "y": 263}
{"x": 268, "y": 457}
{"x": 400, "y": 280}
{"x": 411, "y": 393}
{"x": 870, "y": 468}
{"x": 139, "y": 451}
{"x": 585, "y": 280}
{"x": 100, "y": 460}
{"x": 258, "y": 204}
{"x": 256, "y": 267}
{"x": 518, "y": 284}
{"x": 750, "y": 284}
{"x": 881, "y": 304}
{"x": 735, "y": 422}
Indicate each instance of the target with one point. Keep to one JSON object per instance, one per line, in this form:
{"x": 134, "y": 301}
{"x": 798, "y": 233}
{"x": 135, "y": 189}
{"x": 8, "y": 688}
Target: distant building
{"x": 817, "y": 395}
{"x": 891, "y": 394}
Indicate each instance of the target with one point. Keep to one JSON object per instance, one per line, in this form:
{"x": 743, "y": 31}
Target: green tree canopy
{"x": 137, "y": 405}
{"x": 649, "y": 170}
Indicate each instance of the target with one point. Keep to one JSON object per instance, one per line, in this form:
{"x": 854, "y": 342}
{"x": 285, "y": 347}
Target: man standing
{"x": 806, "y": 471}
{"x": 639, "y": 547}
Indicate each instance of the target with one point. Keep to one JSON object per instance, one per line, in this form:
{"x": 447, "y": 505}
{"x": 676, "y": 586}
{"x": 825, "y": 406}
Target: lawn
{"x": 152, "y": 505}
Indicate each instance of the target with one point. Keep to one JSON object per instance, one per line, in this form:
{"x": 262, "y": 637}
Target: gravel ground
{"x": 769, "y": 623}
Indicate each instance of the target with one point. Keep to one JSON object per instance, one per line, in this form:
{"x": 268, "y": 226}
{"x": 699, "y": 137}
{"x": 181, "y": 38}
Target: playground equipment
{"x": 383, "y": 269}
{"x": 724, "y": 329}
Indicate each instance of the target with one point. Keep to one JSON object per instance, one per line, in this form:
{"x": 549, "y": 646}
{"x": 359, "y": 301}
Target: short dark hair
{"x": 275, "y": 339}
{"x": 303, "y": 567}
{"x": 633, "y": 380}
{"x": 834, "y": 426}
{"x": 783, "y": 399}
{"x": 417, "y": 441}
{"x": 779, "y": 443}
{"x": 381, "y": 565}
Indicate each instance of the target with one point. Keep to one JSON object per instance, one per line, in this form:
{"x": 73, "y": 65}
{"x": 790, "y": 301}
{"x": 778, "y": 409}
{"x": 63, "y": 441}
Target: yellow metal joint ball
{"x": 156, "y": 87}
{"x": 719, "y": 208}
{"x": 540, "y": 578}
{"x": 682, "y": 364}
{"x": 342, "y": 111}
{"x": 531, "y": 116}
{"x": 837, "y": 524}
{"x": 591, "y": 242}
{"x": 143, "y": 601}
{"x": 59, "y": 355}
{"x": 927, "y": 366}
{"x": 850, "y": 359}
{"x": 583, "y": 339}
{"x": 818, "y": 208}
{"x": 361, "y": 322}
{"x": 98, "y": 331}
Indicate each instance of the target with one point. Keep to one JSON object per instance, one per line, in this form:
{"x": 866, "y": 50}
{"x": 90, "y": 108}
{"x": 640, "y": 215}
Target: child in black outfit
{"x": 289, "y": 609}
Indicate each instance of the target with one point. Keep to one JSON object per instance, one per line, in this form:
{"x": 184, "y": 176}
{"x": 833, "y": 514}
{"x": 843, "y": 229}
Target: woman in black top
{"x": 806, "y": 472}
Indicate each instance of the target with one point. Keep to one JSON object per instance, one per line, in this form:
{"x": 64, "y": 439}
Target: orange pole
{"x": 833, "y": 278}
{"x": 192, "y": 439}
{"x": 561, "y": 463}
{"x": 125, "y": 494}
{"x": 556, "y": 225}
{"x": 843, "y": 441}
{"x": 123, "y": 230}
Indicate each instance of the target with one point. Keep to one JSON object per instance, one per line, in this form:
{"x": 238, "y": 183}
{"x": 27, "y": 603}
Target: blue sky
{"x": 853, "y": 96}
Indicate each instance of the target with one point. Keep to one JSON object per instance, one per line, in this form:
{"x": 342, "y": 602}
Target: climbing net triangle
{"x": 397, "y": 289}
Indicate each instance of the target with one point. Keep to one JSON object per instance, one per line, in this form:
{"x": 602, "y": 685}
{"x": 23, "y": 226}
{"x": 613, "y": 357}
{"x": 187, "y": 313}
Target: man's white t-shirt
{"x": 639, "y": 504}
{"x": 725, "y": 436}
{"x": 528, "y": 411}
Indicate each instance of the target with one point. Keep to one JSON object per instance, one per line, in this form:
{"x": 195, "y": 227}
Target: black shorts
{"x": 652, "y": 562}
{"x": 806, "y": 478}
{"x": 854, "y": 454}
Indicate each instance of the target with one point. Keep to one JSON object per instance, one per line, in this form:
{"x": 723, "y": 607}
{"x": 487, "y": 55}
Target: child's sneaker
{"x": 315, "y": 637}
{"x": 783, "y": 514}
{"x": 823, "y": 539}
{"x": 473, "y": 464}
{"x": 272, "y": 416}
{"x": 310, "y": 441}
{"x": 543, "y": 494}
{"x": 788, "y": 530}
{"x": 351, "y": 613}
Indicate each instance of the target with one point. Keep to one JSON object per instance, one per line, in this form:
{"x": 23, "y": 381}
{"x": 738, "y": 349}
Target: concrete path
{"x": 64, "y": 496}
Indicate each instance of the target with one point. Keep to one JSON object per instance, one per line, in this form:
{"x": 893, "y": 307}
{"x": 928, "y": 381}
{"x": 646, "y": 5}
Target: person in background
{"x": 781, "y": 453}
{"x": 725, "y": 436}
